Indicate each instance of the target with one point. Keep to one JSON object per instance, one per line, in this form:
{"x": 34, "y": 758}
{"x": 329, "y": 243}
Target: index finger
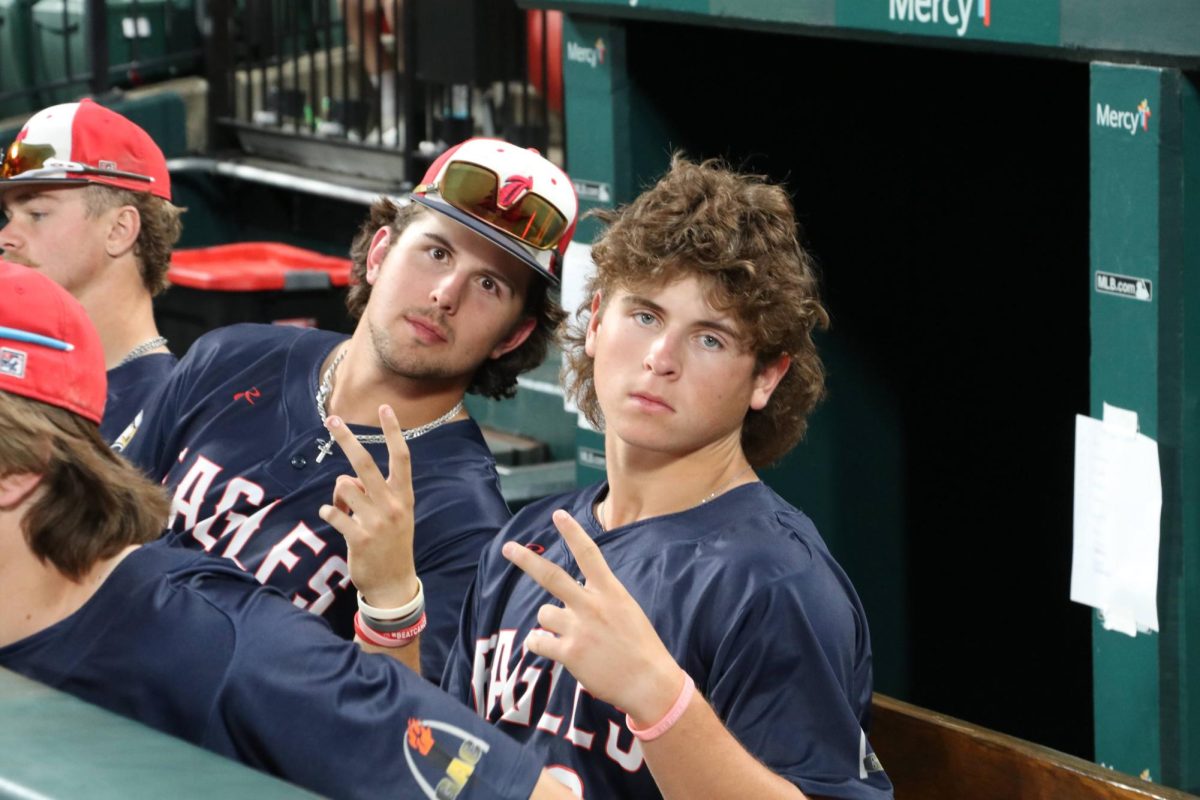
{"x": 587, "y": 555}
{"x": 360, "y": 460}
{"x": 551, "y": 577}
{"x": 399, "y": 459}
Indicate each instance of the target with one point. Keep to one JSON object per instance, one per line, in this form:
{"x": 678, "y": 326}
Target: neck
{"x": 122, "y": 312}
{"x": 361, "y": 384}
{"x": 642, "y": 485}
{"x": 37, "y": 595}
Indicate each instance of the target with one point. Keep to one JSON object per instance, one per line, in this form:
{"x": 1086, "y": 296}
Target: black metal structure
{"x": 370, "y": 88}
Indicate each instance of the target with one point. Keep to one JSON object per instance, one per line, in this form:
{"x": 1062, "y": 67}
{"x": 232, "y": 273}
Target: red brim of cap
{"x": 493, "y": 235}
{"x": 9, "y": 184}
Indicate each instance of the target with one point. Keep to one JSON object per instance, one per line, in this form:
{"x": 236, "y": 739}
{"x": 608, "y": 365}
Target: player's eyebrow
{"x": 719, "y": 325}
{"x": 443, "y": 242}
{"x": 22, "y": 198}
{"x": 439, "y": 240}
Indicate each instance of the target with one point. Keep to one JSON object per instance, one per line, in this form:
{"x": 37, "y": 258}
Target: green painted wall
{"x": 1145, "y": 208}
{"x": 1134, "y": 27}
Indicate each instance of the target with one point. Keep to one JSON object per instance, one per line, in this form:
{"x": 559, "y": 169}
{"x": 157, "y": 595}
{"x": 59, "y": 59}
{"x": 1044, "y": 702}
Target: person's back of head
{"x": 90, "y": 504}
{"x": 738, "y": 235}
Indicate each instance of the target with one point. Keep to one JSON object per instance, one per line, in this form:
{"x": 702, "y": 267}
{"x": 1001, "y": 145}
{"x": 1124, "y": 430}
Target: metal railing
{"x": 373, "y": 88}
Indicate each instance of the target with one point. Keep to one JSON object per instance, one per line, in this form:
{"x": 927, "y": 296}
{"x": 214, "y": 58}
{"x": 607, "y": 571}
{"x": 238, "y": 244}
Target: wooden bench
{"x": 931, "y": 756}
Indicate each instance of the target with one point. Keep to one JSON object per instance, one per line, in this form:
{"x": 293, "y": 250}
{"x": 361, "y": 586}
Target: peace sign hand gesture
{"x": 600, "y": 633}
{"x": 375, "y": 514}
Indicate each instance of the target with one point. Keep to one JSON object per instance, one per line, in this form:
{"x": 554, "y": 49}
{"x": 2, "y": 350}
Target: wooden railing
{"x": 930, "y": 756}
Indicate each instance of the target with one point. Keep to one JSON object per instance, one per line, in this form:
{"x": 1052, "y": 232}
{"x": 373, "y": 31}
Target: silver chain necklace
{"x": 602, "y": 506}
{"x": 325, "y": 447}
{"x": 142, "y": 349}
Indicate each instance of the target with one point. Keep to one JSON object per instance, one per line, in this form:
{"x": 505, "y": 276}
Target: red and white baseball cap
{"x": 512, "y": 196}
{"x": 84, "y": 142}
{"x": 49, "y": 349}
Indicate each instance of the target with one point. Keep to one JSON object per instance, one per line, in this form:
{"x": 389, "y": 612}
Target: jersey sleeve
{"x": 791, "y": 669}
{"x": 457, "y": 678}
{"x": 448, "y": 576}
{"x": 311, "y": 708}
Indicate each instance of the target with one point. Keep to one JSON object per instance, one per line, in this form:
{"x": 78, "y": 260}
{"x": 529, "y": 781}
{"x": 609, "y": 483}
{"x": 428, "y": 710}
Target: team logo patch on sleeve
{"x": 12, "y": 362}
{"x": 127, "y": 435}
{"x": 442, "y": 757}
{"x": 868, "y": 762}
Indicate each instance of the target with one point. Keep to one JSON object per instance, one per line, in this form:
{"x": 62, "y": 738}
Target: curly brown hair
{"x": 91, "y": 503}
{"x": 738, "y": 234}
{"x": 161, "y": 228}
{"x": 496, "y": 377}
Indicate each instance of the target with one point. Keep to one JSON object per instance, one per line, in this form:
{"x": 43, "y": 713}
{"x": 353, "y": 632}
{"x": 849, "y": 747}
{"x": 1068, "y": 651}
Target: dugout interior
{"x": 945, "y": 195}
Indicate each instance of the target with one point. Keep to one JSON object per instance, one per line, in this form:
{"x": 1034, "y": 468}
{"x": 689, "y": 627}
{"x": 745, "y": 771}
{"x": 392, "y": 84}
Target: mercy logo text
{"x": 956, "y": 13}
{"x": 1109, "y": 117}
{"x": 592, "y": 56}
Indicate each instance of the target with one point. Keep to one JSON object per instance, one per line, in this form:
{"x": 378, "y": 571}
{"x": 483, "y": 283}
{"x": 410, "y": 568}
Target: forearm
{"x": 699, "y": 757}
{"x": 409, "y": 655}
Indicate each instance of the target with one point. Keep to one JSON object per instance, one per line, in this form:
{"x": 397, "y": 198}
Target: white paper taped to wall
{"x": 1118, "y": 508}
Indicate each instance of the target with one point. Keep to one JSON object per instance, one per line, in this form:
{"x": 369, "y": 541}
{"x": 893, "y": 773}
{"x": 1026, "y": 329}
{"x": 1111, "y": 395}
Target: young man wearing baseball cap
{"x": 87, "y": 199}
{"x": 93, "y": 606}
{"x": 452, "y": 296}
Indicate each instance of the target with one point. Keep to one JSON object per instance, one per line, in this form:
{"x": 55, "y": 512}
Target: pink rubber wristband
{"x": 395, "y": 639}
{"x": 672, "y": 716}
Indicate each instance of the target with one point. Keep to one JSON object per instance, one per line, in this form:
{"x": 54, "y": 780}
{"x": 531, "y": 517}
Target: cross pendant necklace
{"x": 325, "y": 447}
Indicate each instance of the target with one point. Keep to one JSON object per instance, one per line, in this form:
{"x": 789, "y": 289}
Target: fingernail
{"x": 386, "y": 411}
{"x": 333, "y": 422}
{"x": 509, "y": 548}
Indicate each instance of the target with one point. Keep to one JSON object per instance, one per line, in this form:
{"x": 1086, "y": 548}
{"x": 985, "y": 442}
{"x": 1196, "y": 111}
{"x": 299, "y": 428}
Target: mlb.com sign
{"x": 1109, "y": 117}
{"x": 956, "y": 13}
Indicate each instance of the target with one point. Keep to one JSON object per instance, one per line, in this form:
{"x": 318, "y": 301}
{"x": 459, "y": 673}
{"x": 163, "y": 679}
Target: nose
{"x": 447, "y": 291}
{"x": 8, "y": 236}
{"x": 661, "y": 357}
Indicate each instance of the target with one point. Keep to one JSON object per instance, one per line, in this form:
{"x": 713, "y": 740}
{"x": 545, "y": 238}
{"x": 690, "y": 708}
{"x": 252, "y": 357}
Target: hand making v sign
{"x": 375, "y": 515}
{"x": 600, "y": 633}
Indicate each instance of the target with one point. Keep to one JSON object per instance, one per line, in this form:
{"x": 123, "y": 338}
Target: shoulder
{"x": 252, "y": 340}
{"x": 533, "y": 527}
{"x": 152, "y": 367}
{"x": 763, "y": 528}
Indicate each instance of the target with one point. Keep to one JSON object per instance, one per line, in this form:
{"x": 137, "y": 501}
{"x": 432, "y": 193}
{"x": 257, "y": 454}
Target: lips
{"x": 650, "y": 401}
{"x": 13, "y": 258}
{"x": 427, "y": 330}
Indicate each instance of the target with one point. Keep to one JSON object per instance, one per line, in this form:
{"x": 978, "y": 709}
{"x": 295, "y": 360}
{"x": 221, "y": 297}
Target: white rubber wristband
{"x": 388, "y": 614}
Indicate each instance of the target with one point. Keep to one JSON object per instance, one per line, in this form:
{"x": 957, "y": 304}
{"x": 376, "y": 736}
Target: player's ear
{"x": 124, "y": 227}
{"x": 16, "y": 487}
{"x": 516, "y": 337}
{"x": 589, "y": 343}
{"x": 767, "y": 379}
{"x": 380, "y": 245}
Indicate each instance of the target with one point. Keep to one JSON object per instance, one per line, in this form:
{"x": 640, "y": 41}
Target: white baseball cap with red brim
{"x": 511, "y": 195}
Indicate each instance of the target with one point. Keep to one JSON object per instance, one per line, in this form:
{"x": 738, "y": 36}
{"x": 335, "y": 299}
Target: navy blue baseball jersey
{"x": 129, "y": 387}
{"x": 190, "y": 645}
{"x": 747, "y": 599}
{"x": 235, "y": 436}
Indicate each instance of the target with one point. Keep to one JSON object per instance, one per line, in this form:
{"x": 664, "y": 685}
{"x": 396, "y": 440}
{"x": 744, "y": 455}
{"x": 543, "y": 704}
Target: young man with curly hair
{"x": 680, "y": 629}
{"x": 452, "y": 296}
{"x": 87, "y": 199}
